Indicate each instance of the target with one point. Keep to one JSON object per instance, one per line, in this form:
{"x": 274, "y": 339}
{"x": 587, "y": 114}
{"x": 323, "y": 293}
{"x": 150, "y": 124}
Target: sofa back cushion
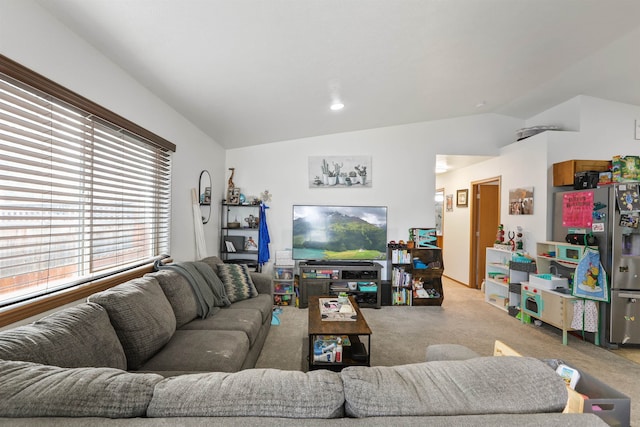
{"x": 252, "y": 392}
{"x": 73, "y": 337}
{"x": 237, "y": 281}
{"x": 213, "y": 262}
{"x": 141, "y": 315}
{"x": 180, "y": 295}
{"x": 34, "y": 390}
{"x": 484, "y": 385}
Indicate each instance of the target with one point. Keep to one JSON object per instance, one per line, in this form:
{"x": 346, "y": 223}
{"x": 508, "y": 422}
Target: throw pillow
{"x": 237, "y": 281}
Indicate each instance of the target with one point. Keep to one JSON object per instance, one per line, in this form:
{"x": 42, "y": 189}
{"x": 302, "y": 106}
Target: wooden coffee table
{"x": 355, "y": 330}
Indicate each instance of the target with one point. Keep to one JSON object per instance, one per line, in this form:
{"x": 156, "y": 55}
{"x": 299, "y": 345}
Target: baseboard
{"x": 457, "y": 281}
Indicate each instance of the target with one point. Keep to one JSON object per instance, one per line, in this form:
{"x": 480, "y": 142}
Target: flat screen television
{"x": 339, "y": 233}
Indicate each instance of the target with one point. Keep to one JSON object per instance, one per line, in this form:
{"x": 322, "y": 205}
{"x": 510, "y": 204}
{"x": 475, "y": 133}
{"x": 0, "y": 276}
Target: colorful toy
{"x": 500, "y": 234}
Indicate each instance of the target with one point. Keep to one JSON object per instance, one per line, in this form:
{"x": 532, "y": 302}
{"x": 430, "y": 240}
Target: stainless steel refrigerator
{"x": 615, "y": 216}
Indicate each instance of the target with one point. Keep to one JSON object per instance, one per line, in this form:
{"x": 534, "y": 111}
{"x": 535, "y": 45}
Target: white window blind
{"x": 80, "y": 198}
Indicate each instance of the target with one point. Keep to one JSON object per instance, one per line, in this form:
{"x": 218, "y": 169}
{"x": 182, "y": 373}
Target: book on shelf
{"x": 230, "y": 246}
{"x": 400, "y": 256}
{"x": 400, "y": 277}
{"x": 402, "y": 297}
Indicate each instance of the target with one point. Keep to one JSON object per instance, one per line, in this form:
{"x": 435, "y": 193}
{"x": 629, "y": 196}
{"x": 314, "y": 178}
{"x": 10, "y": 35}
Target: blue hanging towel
{"x": 263, "y": 237}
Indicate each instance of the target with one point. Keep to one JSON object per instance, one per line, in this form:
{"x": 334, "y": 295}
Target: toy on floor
{"x": 275, "y": 320}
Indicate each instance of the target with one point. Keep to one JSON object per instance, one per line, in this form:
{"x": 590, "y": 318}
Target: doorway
{"x": 485, "y": 218}
{"x": 439, "y": 205}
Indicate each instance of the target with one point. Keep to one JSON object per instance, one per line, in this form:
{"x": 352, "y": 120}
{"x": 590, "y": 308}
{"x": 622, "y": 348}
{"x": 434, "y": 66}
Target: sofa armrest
{"x": 262, "y": 282}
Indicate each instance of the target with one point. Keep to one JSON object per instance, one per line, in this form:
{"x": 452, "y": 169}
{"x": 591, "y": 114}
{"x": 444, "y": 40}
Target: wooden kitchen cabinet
{"x": 564, "y": 172}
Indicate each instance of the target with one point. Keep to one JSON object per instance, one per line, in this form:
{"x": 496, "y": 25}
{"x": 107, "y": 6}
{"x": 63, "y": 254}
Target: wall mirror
{"x": 204, "y": 193}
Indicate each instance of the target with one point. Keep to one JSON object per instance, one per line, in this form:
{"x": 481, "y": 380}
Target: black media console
{"x": 340, "y": 263}
{"x": 362, "y": 280}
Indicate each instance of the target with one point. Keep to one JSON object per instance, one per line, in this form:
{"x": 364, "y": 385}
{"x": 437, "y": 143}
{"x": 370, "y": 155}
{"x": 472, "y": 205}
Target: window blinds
{"x": 79, "y": 197}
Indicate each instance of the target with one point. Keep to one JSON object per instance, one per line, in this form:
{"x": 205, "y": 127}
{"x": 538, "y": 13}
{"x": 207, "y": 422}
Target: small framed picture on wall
{"x": 462, "y": 198}
{"x": 449, "y": 202}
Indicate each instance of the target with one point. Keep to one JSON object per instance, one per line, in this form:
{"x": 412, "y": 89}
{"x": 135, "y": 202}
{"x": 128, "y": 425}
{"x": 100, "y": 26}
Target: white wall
{"x": 403, "y": 161}
{"x": 30, "y": 36}
{"x": 521, "y": 164}
{"x": 605, "y": 128}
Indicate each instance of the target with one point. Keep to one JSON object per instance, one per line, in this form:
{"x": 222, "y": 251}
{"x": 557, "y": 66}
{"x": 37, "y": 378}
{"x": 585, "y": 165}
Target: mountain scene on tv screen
{"x": 332, "y": 234}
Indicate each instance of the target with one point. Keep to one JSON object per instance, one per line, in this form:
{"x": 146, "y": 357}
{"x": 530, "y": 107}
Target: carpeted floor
{"x": 401, "y": 335}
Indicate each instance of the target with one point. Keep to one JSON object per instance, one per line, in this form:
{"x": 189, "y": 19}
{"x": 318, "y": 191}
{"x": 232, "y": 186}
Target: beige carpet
{"x": 401, "y": 335}
{"x": 631, "y": 353}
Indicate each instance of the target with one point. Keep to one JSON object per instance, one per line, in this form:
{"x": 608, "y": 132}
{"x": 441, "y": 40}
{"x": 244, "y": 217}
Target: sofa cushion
{"x": 141, "y": 315}
{"x": 484, "y": 385}
{"x": 248, "y": 321}
{"x": 179, "y": 293}
{"x": 213, "y": 262}
{"x": 74, "y": 337}
{"x": 34, "y": 390}
{"x": 263, "y": 303}
{"x": 253, "y": 392}
{"x": 201, "y": 351}
{"x": 237, "y": 281}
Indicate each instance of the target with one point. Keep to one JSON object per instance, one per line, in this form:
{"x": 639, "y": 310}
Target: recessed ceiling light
{"x": 337, "y": 106}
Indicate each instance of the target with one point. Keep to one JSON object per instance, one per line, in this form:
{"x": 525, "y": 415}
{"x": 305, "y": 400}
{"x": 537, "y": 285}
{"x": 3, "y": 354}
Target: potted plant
{"x": 332, "y": 179}
{"x": 342, "y": 178}
{"x": 325, "y": 171}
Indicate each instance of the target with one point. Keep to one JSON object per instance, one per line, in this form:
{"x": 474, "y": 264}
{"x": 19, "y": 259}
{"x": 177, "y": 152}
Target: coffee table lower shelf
{"x": 362, "y": 359}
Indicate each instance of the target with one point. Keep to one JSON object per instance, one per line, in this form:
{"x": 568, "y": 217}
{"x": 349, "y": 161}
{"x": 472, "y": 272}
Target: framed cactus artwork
{"x": 340, "y": 172}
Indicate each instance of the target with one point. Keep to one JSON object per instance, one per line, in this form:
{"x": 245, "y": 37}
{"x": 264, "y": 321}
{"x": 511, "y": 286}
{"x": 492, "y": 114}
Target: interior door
{"x": 485, "y": 221}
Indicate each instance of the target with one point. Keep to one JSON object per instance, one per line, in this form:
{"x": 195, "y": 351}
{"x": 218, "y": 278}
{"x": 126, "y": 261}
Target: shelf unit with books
{"x": 400, "y": 270}
{"x": 415, "y": 275}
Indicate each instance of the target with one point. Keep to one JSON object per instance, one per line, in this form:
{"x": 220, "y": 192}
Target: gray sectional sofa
{"x": 144, "y": 353}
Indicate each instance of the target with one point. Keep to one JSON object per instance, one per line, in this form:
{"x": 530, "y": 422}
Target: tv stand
{"x": 328, "y": 278}
{"x": 338, "y": 263}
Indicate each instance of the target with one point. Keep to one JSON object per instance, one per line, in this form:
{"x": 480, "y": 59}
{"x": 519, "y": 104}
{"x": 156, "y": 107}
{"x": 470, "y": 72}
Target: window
{"x": 83, "y": 192}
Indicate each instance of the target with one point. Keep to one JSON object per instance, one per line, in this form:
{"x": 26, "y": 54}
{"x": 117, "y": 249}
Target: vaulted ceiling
{"x": 249, "y": 72}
